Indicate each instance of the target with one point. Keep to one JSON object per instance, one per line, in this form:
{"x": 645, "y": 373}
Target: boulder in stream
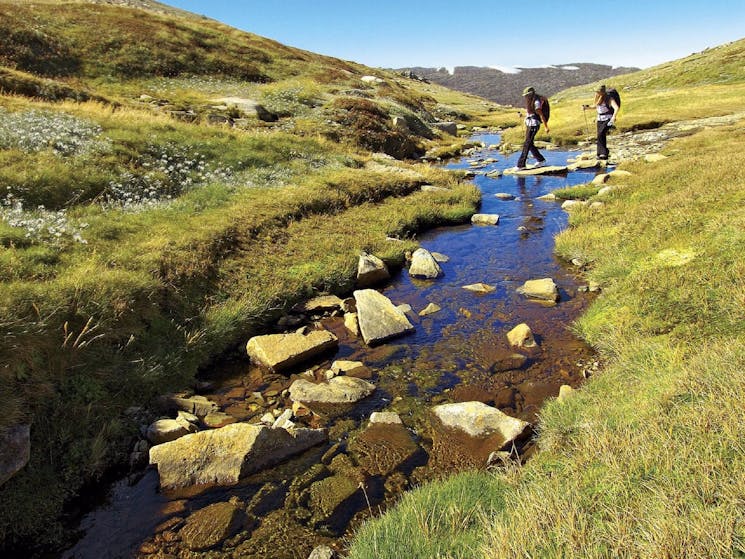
{"x": 378, "y": 317}
{"x": 424, "y": 265}
{"x": 282, "y": 351}
{"x": 543, "y": 289}
{"x": 225, "y": 455}
{"x": 521, "y": 336}
{"x": 476, "y": 419}
{"x": 485, "y": 219}
{"x": 338, "y": 390}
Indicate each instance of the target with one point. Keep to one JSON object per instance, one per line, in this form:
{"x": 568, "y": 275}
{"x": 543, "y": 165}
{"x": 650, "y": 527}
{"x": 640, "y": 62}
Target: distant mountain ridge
{"x": 506, "y": 87}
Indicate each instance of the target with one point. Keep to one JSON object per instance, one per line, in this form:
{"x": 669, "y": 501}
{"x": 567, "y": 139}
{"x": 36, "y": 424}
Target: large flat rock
{"x": 547, "y": 170}
{"x": 223, "y": 456}
{"x": 338, "y": 390}
{"x": 282, "y": 351}
{"x": 379, "y": 319}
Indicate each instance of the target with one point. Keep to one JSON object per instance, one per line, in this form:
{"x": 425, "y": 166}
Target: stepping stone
{"x": 480, "y": 288}
{"x": 485, "y": 219}
{"x": 530, "y": 171}
{"x": 282, "y": 351}
{"x": 543, "y": 289}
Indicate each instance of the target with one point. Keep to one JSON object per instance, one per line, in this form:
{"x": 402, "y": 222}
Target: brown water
{"x": 451, "y": 357}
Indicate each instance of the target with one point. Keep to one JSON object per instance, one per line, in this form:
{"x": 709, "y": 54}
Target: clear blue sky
{"x": 400, "y": 33}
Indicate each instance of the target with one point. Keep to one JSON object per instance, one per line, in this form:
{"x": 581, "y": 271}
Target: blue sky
{"x": 400, "y": 33}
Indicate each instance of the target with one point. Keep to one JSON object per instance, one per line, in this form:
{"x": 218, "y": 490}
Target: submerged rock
{"x": 424, "y": 265}
{"x": 509, "y": 362}
{"x": 378, "y": 317}
{"x": 430, "y": 309}
{"x": 480, "y": 288}
{"x": 282, "y": 351}
{"x": 223, "y": 456}
{"x": 211, "y": 525}
{"x": 383, "y": 448}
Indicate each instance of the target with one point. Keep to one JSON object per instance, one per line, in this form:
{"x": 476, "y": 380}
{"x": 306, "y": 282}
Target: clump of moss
{"x": 366, "y": 124}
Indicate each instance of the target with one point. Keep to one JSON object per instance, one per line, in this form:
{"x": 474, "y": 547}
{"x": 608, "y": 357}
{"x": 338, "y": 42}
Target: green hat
{"x": 528, "y": 91}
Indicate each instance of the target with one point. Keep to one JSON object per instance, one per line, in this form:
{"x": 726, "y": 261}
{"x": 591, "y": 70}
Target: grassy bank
{"x": 109, "y": 304}
{"x": 148, "y": 225}
{"x": 647, "y": 459}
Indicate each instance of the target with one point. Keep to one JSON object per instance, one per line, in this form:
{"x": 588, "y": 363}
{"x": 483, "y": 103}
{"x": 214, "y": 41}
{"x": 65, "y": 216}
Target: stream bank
{"x": 458, "y": 354}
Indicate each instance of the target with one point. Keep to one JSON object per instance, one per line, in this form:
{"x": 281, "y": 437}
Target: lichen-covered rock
{"x": 165, "y": 430}
{"x": 223, "y": 456}
{"x": 521, "y": 336}
{"x": 279, "y": 352}
{"x": 338, "y": 390}
{"x": 378, "y": 317}
{"x": 485, "y": 219}
{"x": 543, "y": 289}
{"x": 424, "y": 265}
{"x": 371, "y": 270}
{"x": 479, "y": 420}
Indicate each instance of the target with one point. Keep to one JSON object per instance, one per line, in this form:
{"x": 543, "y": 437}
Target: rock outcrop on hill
{"x": 506, "y": 88}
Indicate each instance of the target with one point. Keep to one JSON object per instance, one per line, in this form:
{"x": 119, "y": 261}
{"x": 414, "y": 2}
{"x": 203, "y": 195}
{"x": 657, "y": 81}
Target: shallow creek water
{"x": 449, "y": 358}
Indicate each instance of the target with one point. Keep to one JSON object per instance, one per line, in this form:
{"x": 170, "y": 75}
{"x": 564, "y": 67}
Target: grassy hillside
{"x": 148, "y": 225}
{"x": 646, "y": 460}
{"x": 709, "y": 83}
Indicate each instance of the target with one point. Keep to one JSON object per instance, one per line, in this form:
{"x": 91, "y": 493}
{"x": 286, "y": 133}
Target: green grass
{"x": 446, "y": 518}
{"x": 646, "y": 460}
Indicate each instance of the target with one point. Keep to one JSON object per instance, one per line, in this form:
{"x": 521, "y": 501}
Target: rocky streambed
{"x": 441, "y": 367}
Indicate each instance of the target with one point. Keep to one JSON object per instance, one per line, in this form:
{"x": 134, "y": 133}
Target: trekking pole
{"x": 587, "y": 124}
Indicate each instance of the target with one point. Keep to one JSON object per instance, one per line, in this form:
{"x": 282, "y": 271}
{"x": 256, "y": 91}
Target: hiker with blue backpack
{"x": 538, "y": 111}
{"x": 607, "y": 103}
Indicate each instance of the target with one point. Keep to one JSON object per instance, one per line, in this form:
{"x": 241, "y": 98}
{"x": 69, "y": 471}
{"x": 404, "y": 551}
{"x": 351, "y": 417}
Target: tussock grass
{"x": 646, "y": 460}
{"x": 446, "y": 519}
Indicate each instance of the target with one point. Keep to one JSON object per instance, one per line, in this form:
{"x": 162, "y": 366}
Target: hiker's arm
{"x": 615, "y": 108}
{"x": 543, "y": 118}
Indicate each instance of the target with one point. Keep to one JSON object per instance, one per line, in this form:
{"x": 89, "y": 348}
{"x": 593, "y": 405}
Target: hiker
{"x": 534, "y": 105}
{"x": 607, "y": 106}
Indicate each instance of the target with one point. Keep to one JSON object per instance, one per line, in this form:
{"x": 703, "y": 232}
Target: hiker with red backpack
{"x": 607, "y": 103}
{"x": 538, "y": 111}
